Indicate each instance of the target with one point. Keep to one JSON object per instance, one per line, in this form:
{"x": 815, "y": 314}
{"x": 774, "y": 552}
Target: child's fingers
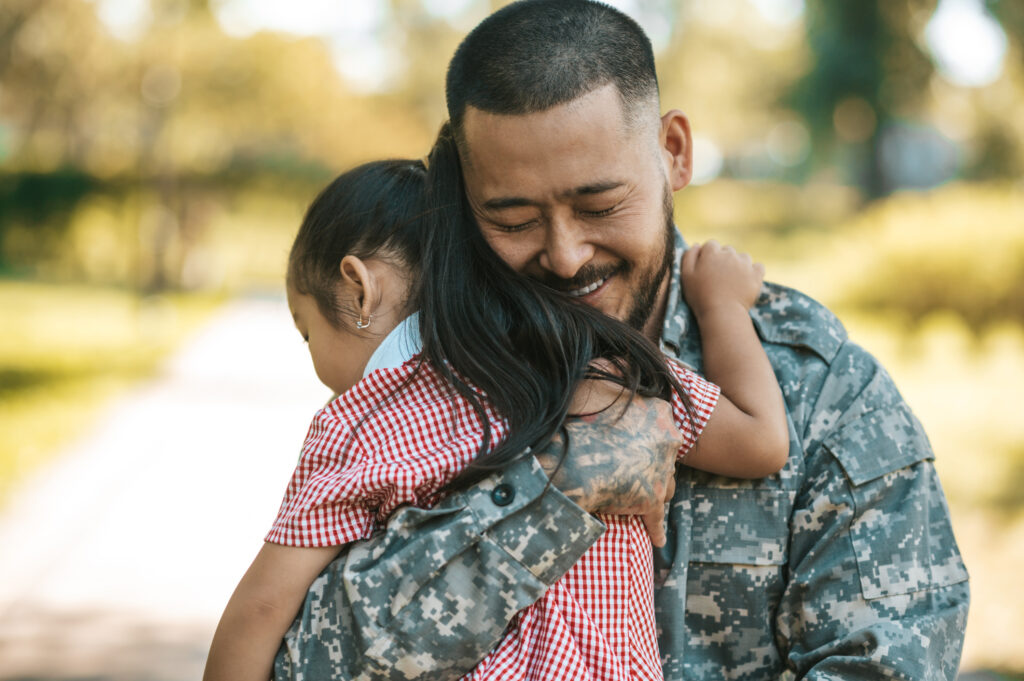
{"x": 711, "y": 249}
{"x": 690, "y": 259}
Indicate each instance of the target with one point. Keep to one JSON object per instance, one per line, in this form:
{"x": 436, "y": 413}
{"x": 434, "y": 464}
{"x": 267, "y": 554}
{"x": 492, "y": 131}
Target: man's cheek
{"x": 513, "y": 251}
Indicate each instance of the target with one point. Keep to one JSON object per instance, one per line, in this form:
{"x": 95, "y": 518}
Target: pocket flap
{"x": 879, "y": 442}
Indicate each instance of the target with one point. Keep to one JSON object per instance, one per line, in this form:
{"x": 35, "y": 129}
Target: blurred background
{"x": 156, "y": 157}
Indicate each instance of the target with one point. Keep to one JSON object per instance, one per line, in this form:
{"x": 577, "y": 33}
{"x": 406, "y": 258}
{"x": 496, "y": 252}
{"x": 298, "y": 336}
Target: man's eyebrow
{"x": 508, "y": 202}
{"x": 519, "y": 201}
{"x": 596, "y": 188}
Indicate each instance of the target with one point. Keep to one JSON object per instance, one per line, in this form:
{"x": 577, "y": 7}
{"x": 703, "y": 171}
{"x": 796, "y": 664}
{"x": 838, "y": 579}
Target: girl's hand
{"x": 716, "y": 276}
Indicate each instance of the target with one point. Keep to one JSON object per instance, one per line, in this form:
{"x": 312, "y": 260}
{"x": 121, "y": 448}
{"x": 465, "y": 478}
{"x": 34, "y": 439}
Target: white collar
{"x": 399, "y": 346}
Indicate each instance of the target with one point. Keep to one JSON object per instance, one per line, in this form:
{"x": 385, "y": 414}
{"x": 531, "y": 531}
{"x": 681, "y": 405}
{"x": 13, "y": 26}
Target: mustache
{"x": 586, "y": 275}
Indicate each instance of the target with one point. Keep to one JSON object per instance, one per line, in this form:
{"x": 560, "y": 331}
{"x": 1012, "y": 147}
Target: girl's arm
{"x": 747, "y": 435}
{"x": 261, "y": 610}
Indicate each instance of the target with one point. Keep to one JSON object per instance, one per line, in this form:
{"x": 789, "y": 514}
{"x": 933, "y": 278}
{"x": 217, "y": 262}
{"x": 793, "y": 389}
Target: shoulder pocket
{"x": 901, "y": 532}
{"x": 879, "y": 442}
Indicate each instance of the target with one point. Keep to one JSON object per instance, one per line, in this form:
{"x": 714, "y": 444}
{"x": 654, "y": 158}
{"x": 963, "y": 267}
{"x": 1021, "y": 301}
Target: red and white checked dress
{"x": 595, "y": 623}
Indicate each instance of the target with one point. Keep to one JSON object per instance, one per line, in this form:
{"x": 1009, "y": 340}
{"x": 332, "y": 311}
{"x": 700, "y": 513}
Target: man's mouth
{"x": 589, "y": 288}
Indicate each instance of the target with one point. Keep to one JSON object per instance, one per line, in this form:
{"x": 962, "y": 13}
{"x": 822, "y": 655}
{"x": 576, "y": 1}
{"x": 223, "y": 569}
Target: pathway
{"x": 116, "y": 561}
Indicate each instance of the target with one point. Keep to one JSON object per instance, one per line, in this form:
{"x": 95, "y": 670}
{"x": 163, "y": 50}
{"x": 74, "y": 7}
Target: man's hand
{"x": 618, "y": 463}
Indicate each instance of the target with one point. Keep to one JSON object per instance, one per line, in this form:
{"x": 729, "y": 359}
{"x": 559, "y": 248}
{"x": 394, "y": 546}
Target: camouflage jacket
{"x": 841, "y": 566}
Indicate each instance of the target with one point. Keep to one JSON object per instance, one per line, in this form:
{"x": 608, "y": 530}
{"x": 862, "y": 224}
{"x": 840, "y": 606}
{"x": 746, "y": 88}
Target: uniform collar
{"x": 678, "y": 318}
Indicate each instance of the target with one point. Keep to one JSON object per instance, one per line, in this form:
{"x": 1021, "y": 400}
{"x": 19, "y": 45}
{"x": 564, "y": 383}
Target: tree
{"x": 867, "y": 70}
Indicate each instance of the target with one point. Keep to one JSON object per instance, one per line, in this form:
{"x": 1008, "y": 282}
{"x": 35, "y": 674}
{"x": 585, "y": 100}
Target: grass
{"x": 66, "y": 350}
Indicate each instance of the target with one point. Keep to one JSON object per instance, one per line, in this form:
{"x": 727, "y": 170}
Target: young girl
{"x": 407, "y": 432}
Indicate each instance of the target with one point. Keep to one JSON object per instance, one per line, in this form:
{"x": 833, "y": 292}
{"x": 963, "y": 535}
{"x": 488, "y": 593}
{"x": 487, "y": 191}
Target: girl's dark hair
{"x": 373, "y": 209}
{"x": 498, "y": 335}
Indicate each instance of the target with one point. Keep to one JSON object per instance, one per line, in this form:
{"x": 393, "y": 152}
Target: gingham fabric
{"x": 376, "y": 447}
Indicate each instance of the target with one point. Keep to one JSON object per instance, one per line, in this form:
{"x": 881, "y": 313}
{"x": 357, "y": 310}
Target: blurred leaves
{"x": 172, "y": 125}
{"x": 176, "y": 131}
{"x": 960, "y": 251}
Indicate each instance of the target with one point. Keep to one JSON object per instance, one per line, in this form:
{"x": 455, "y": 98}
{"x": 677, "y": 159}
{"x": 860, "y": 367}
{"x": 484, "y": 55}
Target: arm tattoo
{"x": 617, "y": 462}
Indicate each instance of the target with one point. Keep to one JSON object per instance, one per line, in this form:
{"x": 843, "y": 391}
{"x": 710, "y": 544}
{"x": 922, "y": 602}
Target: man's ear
{"x": 360, "y": 285}
{"x": 677, "y": 148}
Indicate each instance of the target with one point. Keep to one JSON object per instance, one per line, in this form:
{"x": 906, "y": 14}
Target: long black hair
{"x": 525, "y": 346}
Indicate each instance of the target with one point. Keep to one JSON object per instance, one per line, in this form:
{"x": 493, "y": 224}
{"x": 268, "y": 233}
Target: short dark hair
{"x": 533, "y": 55}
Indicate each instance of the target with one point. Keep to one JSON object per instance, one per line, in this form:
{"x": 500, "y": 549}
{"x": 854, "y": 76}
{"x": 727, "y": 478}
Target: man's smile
{"x": 589, "y": 288}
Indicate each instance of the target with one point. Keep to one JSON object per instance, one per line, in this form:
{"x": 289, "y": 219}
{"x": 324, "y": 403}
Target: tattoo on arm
{"x": 617, "y": 462}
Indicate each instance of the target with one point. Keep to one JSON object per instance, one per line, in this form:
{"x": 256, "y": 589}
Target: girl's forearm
{"x": 261, "y": 610}
{"x": 246, "y": 640}
{"x": 735, "y": 360}
{"x": 758, "y": 443}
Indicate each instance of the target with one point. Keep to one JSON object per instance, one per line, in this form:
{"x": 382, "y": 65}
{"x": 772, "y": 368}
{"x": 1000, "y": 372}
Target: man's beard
{"x": 647, "y": 294}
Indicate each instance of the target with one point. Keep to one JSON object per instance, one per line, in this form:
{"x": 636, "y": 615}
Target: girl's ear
{"x": 361, "y": 284}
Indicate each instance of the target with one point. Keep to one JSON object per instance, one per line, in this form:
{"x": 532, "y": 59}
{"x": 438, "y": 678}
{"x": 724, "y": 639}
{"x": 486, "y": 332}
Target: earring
{"x": 360, "y": 324}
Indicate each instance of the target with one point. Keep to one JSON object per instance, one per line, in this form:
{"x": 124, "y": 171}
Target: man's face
{"x": 575, "y": 198}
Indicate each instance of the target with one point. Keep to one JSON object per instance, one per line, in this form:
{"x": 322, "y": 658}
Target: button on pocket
{"x": 503, "y": 494}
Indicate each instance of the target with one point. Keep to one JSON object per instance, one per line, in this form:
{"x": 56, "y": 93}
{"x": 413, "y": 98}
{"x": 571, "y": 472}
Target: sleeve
{"x": 433, "y": 593}
{"x": 877, "y": 587}
{"x": 330, "y": 497}
{"x": 703, "y": 397}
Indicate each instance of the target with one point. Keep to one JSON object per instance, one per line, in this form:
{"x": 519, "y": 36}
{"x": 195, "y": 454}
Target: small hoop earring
{"x": 360, "y": 324}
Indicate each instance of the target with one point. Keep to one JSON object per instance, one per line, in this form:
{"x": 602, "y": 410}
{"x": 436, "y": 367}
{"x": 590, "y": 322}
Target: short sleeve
{"x": 703, "y": 396}
{"x": 327, "y": 502}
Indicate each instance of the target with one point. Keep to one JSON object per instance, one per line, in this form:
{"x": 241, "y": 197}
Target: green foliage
{"x": 66, "y": 349}
{"x": 865, "y": 54}
{"x": 959, "y": 250}
{"x": 38, "y": 197}
{"x": 43, "y": 202}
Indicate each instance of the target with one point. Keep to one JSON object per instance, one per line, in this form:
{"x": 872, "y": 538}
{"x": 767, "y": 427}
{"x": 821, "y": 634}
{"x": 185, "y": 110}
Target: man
{"x": 842, "y": 566}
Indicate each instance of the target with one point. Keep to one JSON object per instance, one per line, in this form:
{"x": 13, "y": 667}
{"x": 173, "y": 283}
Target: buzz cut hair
{"x": 533, "y": 55}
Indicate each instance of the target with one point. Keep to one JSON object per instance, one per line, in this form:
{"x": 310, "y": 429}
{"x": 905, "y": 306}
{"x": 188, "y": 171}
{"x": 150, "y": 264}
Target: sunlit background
{"x": 155, "y": 160}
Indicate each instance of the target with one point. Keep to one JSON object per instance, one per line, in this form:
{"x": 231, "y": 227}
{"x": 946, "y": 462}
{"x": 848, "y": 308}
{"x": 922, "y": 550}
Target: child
{"x": 403, "y": 434}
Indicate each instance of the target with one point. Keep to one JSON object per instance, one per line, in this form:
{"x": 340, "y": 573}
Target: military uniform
{"x": 841, "y": 566}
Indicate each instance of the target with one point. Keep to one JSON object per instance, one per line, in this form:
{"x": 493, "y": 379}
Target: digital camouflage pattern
{"x": 841, "y": 566}
{"x": 398, "y": 606}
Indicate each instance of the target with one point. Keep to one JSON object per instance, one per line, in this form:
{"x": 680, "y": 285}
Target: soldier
{"x": 841, "y": 566}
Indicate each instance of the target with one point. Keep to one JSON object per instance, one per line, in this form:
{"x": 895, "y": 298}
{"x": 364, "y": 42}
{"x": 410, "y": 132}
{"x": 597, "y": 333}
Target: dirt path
{"x": 116, "y": 561}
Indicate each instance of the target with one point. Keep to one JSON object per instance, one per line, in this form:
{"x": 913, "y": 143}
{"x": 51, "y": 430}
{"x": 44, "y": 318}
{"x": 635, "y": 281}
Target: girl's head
{"x": 354, "y": 266}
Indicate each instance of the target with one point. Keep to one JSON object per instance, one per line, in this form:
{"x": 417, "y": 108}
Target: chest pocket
{"x": 901, "y": 533}
{"x": 740, "y": 525}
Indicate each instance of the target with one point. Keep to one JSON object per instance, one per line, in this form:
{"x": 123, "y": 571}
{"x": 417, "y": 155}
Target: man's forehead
{"x": 602, "y": 105}
{"x": 568, "y": 148}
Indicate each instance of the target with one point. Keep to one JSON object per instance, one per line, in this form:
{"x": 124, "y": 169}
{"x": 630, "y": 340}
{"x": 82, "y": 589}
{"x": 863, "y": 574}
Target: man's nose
{"x": 566, "y": 248}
